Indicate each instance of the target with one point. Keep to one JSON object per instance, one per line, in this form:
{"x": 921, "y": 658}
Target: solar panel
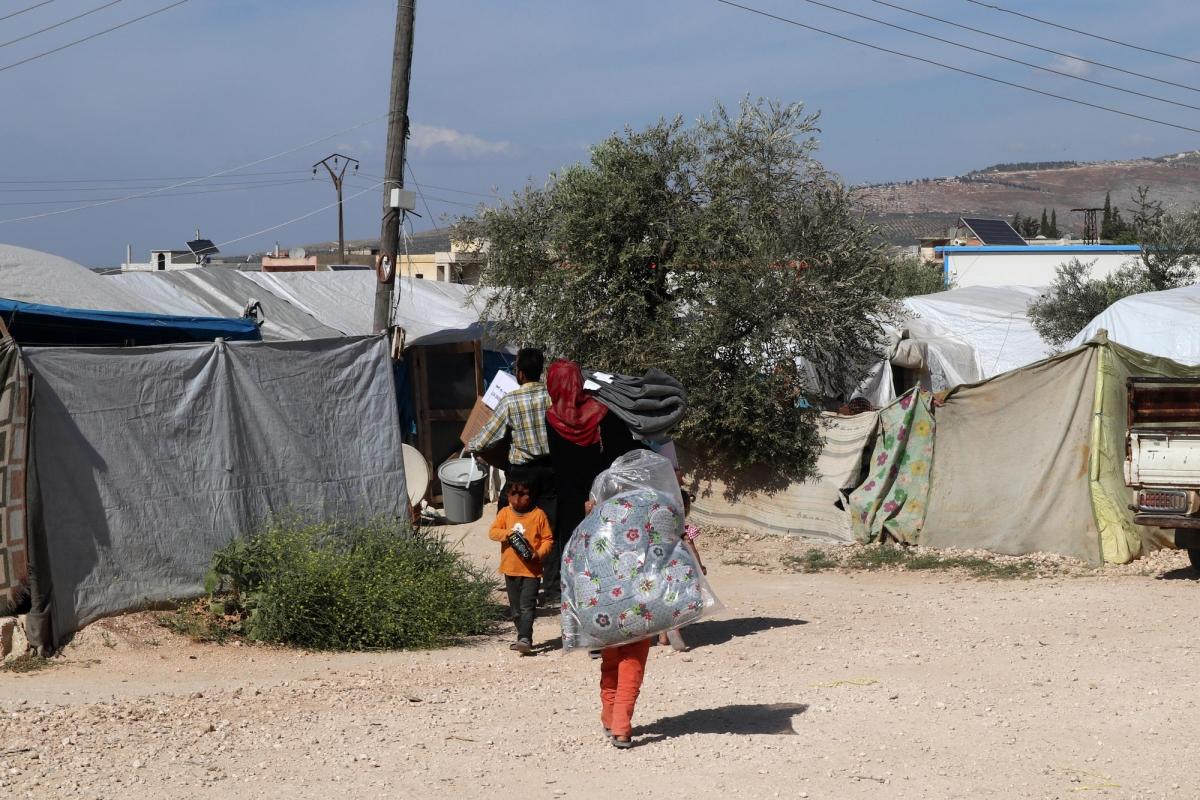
{"x": 203, "y": 247}
{"x": 993, "y": 231}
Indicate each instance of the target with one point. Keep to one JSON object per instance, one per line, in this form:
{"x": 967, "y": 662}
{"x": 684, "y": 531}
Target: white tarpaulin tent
{"x": 1165, "y": 324}
{"x": 959, "y": 336}
{"x": 31, "y": 276}
{"x": 220, "y": 292}
{"x": 310, "y": 305}
{"x": 990, "y": 320}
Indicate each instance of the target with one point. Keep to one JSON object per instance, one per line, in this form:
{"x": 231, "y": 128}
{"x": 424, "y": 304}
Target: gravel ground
{"x": 840, "y": 684}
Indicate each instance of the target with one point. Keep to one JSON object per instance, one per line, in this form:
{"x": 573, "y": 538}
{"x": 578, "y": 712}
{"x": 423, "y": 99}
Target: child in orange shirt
{"x": 525, "y": 539}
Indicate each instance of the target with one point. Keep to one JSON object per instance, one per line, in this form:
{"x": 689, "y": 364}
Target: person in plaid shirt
{"x": 523, "y": 412}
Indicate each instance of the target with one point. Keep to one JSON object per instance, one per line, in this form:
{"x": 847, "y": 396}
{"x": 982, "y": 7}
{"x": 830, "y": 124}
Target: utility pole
{"x": 336, "y": 173}
{"x": 1091, "y": 233}
{"x": 393, "y": 185}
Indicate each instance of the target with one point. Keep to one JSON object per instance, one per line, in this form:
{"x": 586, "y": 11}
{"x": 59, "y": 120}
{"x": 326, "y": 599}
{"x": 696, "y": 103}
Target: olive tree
{"x": 721, "y": 252}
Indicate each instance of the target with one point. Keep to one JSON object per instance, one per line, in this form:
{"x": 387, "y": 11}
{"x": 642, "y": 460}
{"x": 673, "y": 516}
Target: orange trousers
{"x": 621, "y": 672}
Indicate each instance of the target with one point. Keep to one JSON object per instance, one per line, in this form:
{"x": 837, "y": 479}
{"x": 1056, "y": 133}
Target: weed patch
{"x": 878, "y": 557}
{"x": 196, "y": 621}
{"x": 815, "y": 560}
{"x": 27, "y": 662}
{"x": 365, "y": 586}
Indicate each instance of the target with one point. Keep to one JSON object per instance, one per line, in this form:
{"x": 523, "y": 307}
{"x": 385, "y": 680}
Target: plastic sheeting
{"x": 31, "y": 276}
{"x": 1165, "y": 324}
{"x": 149, "y": 459}
{"x": 810, "y": 508}
{"x": 1011, "y": 463}
{"x": 627, "y": 572}
{"x": 431, "y": 312}
{"x": 989, "y": 320}
{"x": 36, "y": 324}
{"x": 223, "y": 292}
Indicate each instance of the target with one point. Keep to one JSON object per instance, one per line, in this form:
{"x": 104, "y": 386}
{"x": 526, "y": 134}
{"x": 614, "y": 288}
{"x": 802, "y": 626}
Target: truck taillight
{"x": 1160, "y": 500}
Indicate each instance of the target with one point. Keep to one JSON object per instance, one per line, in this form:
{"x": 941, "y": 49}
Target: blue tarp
{"x": 36, "y": 324}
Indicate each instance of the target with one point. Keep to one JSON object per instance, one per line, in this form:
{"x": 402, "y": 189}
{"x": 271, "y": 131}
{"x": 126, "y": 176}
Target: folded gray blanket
{"x": 650, "y": 405}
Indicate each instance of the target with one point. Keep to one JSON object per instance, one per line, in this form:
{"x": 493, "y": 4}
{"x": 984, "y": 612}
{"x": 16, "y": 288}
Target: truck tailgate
{"x": 1163, "y": 458}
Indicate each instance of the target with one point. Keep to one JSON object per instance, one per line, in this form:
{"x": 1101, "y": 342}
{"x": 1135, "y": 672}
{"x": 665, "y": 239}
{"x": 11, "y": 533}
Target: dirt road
{"x": 834, "y": 685}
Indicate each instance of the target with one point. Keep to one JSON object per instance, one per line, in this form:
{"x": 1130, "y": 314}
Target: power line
{"x": 38, "y": 181}
{"x": 424, "y": 202}
{"x": 217, "y": 174}
{"x": 1001, "y": 56}
{"x": 235, "y": 188}
{"x": 23, "y": 10}
{"x": 91, "y": 36}
{"x": 1085, "y": 33}
{"x": 960, "y": 70}
{"x": 1038, "y": 47}
{"x": 299, "y": 218}
{"x": 59, "y": 24}
{"x": 492, "y": 196}
{"x": 38, "y": 189}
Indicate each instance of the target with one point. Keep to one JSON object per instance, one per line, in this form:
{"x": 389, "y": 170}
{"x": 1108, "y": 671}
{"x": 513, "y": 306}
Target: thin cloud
{"x": 427, "y": 138}
{"x": 1071, "y": 66}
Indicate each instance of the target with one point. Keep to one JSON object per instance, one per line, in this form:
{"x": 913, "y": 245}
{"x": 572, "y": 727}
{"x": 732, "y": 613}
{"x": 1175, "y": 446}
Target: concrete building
{"x": 1027, "y": 265}
{"x": 161, "y": 261}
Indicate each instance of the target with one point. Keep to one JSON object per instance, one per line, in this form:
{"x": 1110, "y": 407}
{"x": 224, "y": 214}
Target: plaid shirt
{"x": 524, "y": 411}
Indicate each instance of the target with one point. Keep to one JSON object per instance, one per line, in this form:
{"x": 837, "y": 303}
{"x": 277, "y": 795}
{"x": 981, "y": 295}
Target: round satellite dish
{"x": 416, "y": 473}
{"x": 297, "y": 253}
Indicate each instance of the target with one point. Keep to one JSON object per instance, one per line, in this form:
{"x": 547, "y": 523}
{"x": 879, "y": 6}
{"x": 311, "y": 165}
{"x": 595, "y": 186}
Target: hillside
{"x": 909, "y": 209}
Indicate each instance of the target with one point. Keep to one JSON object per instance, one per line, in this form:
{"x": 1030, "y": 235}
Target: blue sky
{"x": 507, "y": 91}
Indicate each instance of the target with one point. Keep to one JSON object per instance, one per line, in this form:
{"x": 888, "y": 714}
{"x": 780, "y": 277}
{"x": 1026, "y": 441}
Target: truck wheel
{"x": 1194, "y": 556}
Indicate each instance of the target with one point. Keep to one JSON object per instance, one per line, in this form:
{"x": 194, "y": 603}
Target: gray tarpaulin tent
{"x": 146, "y": 460}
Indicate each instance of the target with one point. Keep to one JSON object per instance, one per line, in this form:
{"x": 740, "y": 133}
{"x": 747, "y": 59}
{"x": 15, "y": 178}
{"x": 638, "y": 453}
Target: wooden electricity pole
{"x": 336, "y": 165}
{"x": 393, "y": 185}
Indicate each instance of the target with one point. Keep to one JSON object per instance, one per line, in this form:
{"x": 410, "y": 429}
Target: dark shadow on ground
{"x": 1182, "y": 574}
{"x": 771, "y": 719}
{"x": 547, "y": 646}
{"x": 719, "y": 631}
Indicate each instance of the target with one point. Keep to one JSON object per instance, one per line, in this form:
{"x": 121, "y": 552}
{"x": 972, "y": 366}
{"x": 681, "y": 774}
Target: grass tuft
{"x": 26, "y": 662}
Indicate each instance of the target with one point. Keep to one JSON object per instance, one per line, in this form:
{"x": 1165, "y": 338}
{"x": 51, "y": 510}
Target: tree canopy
{"x": 721, "y": 252}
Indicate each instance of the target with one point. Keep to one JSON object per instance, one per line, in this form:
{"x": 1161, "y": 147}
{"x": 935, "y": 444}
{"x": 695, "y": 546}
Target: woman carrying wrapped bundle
{"x": 628, "y": 576}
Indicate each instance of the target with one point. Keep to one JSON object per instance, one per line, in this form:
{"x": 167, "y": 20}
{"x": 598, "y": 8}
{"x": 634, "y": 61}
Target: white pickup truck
{"x": 1162, "y": 457}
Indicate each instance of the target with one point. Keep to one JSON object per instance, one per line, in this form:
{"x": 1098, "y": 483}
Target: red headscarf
{"x": 573, "y": 413}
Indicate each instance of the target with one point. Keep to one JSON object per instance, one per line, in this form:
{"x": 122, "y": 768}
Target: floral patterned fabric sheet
{"x": 892, "y": 499}
{"x": 627, "y": 573}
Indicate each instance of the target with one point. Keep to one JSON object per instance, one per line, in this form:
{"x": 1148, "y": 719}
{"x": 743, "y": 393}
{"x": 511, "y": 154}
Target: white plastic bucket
{"x": 462, "y": 490}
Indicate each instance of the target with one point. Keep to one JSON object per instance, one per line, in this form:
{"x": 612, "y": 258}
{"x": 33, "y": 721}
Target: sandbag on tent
{"x": 1011, "y": 465}
{"x": 149, "y": 459}
{"x": 892, "y": 501}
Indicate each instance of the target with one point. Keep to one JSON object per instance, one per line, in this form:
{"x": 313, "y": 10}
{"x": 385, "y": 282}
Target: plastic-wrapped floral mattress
{"x": 627, "y": 572}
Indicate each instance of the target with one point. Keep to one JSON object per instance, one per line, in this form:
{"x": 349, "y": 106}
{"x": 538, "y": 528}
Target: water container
{"x": 462, "y": 490}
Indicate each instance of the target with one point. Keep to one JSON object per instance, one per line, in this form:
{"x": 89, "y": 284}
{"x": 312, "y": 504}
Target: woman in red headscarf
{"x": 584, "y": 441}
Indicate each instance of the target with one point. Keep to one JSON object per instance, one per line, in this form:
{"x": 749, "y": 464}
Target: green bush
{"x": 359, "y": 586}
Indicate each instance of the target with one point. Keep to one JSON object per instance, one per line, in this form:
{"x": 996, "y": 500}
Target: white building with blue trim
{"x": 1027, "y": 265}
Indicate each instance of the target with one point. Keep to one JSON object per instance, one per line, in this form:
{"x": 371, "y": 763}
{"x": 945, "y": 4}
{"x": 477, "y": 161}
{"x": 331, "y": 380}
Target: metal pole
{"x": 389, "y": 239}
{"x": 336, "y": 173}
{"x": 341, "y": 227}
